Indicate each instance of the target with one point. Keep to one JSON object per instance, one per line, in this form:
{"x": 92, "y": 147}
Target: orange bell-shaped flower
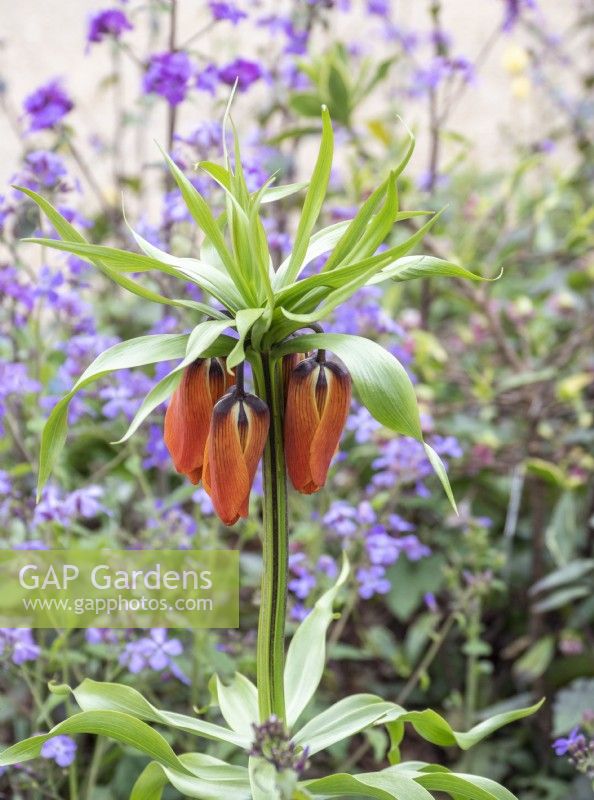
{"x": 187, "y": 419}
{"x": 318, "y": 401}
{"x": 236, "y": 441}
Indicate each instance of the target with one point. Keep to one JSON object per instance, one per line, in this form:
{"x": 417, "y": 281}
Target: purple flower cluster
{"x": 168, "y": 75}
{"x": 440, "y": 68}
{"x": 109, "y": 22}
{"x": 153, "y": 652}
{"x": 514, "y": 10}
{"x": 61, "y": 508}
{"x": 47, "y": 106}
{"x": 242, "y": 70}
{"x": 18, "y": 645}
{"x": 61, "y": 749}
{"x": 226, "y": 11}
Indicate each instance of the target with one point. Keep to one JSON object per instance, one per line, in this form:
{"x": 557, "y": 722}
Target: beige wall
{"x": 45, "y": 38}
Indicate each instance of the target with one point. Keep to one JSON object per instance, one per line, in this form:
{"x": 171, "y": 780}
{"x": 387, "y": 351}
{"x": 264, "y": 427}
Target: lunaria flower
{"x": 187, "y": 419}
{"x": 236, "y": 440}
{"x": 318, "y": 401}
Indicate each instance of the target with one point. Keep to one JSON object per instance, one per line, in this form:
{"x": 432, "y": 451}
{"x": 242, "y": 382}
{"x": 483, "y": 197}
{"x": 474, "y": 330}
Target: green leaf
{"x": 536, "y": 660}
{"x": 321, "y": 242}
{"x": 435, "y": 729}
{"x": 211, "y": 779}
{"x": 122, "y": 261}
{"x": 378, "y": 785}
{"x": 464, "y": 787}
{"x": 263, "y": 776}
{"x": 116, "y": 725}
{"x": 441, "y": 473}
{"x": 199, "y": 341}
{"x": 274, "y": 193}
{"x": 93, "y": 696}
{"x": 313, "y": 201}
{"x": 343, "y": 719}
{"x": 306, "y": 655}
{"x": 305, "y": 103}
{"x": 212, "y": 277}
{"x": 70, "y": 235}
{"x": 244, "y": 318}
{"x": 356, "y": 227}
{"x": 200, "y": 211}
{"x": 574, "y": 571}
{"x": 364, "y": 270}
{"x": 124, "y": 355}
{"x": 238, "y": 702}
{"x": 412, "y": 267}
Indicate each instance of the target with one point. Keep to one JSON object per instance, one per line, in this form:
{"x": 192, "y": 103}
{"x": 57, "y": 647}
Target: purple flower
{"x": 302, "y": 585}
{"x": 101, "y": 636}
{"x": 84, "y": 502}
{"x": 109, "y": 22}
{"x": 244, "y": 71}
{"x": 18, "y": 643}
{"x": 45, "y": 167}
{"x": 372, "y": 580}
{"x": 228, "y": 11}
{"x": 341, "y": 518}
{"x": 168, "y": 75}
{"x": 154, "y": 651}
{"x": 513, "y": 11}
{"x": 5, "y": 483}
{"x": 208, "y": 79}
{"x": 431, "y": 602}
{"x": 362, "y": 424}
{"x": 379, "y": 7}
{"x": 412, "y": 548}
{"x": 381, "y": 547}
{"x": 62, "y": 749}
{"x": 32, "y": 544}
{"x": 47, "y": 105}
{"x": 327, "y": 565}
{"x": 563, "y": 745}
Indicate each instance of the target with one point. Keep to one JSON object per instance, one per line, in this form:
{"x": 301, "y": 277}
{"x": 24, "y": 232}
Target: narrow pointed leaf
{"x": 341, "y": 721}
{"x": 124, "y": 355}
{"x": 245, "y": 318}
{"x": 306, "y": 655}
{"x": 70, "y": 234}
{"x": 238, "y": 702}
{"x": 96, "y": 696}
{"x": 413, "y": 267}
{"x": 313, "y": 201}
{"x": 115, "y": 725}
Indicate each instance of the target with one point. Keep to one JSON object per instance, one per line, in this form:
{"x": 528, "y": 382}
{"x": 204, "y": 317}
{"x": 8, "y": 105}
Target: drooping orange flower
{"x": 236, "y": 441}
{"x": 318, "y": 401}
{"x": 187, "y": 419}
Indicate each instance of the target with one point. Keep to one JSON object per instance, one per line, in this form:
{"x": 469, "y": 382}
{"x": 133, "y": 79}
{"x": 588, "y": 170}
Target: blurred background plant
{"x": 453, "y": 612}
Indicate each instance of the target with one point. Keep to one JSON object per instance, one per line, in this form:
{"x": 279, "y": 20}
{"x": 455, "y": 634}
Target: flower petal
{"x": 301, "y": 422}
{"x": 337, "y": 402}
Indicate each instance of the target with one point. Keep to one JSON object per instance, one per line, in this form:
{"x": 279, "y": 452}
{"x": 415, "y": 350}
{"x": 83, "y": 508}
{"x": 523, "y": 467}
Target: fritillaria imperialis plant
{"x": 270, "y": 317}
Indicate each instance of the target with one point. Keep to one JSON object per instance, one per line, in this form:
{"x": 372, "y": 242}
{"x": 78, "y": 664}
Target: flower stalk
{"x": 275, "y": 551}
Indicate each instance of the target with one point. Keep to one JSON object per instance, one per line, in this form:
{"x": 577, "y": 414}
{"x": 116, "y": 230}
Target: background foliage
{"x": 468, "y": 614}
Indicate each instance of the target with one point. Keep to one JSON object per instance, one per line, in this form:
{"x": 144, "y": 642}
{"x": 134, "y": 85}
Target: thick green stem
{"x": 271, "y": 625}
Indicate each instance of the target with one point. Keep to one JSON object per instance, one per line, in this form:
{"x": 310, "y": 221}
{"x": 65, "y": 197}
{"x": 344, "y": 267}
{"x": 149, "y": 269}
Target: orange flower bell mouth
{"x": 238, "y": 433}
{"x": 317, "y": 407}
{"x": 187, "y": 420}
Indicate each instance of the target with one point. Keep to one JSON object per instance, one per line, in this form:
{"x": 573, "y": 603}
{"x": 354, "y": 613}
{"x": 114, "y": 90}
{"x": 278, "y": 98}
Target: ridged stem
{"x": 273, "y": 604}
